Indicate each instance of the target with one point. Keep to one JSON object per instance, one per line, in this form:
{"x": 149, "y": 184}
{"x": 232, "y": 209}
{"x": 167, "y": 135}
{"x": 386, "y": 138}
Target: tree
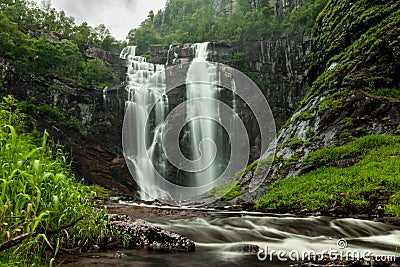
{"x": 69, "y": 59}
{"x": 96, "y": 73}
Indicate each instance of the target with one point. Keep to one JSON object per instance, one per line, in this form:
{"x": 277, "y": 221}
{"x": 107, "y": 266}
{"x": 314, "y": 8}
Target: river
{"x": 225, "y": 238}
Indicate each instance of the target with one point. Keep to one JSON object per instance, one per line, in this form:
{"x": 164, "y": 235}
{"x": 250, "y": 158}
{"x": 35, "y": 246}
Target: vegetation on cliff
{"x": 43, "y": 209}
{"x": 370, "y": 184}
{"x": 197, "y": 21}
{"x": 39, "y": 196}
{"x": 354, "y": 92}
{"x": 43, "y": 42}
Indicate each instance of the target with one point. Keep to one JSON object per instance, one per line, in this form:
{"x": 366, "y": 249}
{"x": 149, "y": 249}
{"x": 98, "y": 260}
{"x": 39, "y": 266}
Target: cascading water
{"x": 145, "y": 89}
{"x": 203, "y": 134}
{"x": 205, "y": 142}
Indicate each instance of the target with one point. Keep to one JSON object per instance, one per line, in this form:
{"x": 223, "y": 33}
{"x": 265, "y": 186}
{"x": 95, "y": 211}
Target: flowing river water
{"x": 225, "y": 238}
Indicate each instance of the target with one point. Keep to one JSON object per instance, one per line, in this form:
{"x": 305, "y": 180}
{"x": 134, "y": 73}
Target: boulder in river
{"x": 140, "y": 234}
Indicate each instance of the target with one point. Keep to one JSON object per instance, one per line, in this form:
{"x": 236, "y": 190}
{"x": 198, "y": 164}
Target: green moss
{"x": 393, "y": 206}
{"x": 360, "y": 38}
{"x": 51, "y": 114}
{"x": 386, "y": 92}
{"x": 309, "y": 133}
{"x": 293, "y": 143}
{"x": 347, "y": 121}
{"x": 377, "y": 172}
{"x": 305, "y": 115}
{"x": 345, "y": 134}
{"x": 292, "y": 160}
{"x": 99, "y": 191}
{"x": 226, "y": 191}
{"x": 330, "y": 103}
{"x": 357, "y": 148}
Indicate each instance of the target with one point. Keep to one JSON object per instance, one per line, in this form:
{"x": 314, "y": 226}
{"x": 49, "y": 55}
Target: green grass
{"x": 39, "y": 194}
{"x": 356, "y": 149}
{"x": 226, "y": 191}
{"x": 376, "y": 174}
{"x": 393, "y": 206}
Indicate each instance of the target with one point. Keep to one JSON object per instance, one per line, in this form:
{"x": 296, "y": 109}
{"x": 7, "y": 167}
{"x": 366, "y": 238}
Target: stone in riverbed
{"x": 139, "y": 234}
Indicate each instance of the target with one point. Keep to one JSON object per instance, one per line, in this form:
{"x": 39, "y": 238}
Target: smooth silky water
{"x": 220, "y": 237}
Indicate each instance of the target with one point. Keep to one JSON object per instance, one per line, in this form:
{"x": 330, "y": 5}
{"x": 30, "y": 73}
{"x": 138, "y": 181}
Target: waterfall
{"x": 203, "y": 135}
{"x": 204, "y": 142}
{"x": 143, "y": 126}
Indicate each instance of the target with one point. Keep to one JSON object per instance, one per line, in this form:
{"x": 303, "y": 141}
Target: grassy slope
{"x": 371, "y": 181}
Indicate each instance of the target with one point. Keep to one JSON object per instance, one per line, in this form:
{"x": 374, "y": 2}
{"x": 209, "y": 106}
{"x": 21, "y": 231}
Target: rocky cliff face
{"x": 280, "y": 7}
{"x": 276, "y": 64}
{"x": 77, "y": 118}
{"x": 354, "y": 83}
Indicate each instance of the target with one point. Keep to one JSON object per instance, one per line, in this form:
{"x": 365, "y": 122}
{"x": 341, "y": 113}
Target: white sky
{"x": 119, "y": 16}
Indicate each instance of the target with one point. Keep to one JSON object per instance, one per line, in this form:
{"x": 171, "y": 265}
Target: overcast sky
{"x": 119, "y": 16}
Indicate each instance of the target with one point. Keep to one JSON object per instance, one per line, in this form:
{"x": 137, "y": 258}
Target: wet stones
{"x": 140, "y": 234}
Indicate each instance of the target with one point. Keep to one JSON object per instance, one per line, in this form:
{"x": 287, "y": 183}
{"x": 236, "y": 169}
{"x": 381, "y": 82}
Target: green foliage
{"x": 376, "y": 173}
{"x": 303, "y": 18}
{"x": 309, "y": 133}
{"x": 38, "y": 194}
{"x": 387, "y": 92}
{"x": 347, "y": 121}
{"x": 51, "y": 114}
{"x": 330, "y": 103}
{"x": 197, "y": 21}
{"x": 10, "y": 112}
{"x": 237, "y": 60}
{"x": 345, "y": 134}
{"x": 293, "y": 143}
{"x": 97, "y": 73}
{"x": 305, "y": 115}
{"x": 99, "y": 191}
{"x": 40, "y": 54}
{"x": 226, "y": 191}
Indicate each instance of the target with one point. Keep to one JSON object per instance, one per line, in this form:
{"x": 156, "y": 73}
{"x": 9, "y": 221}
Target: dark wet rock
{"x": 140, "y": 234}
{"x": 246, "y": 249}
{"x": 120, "y": 254}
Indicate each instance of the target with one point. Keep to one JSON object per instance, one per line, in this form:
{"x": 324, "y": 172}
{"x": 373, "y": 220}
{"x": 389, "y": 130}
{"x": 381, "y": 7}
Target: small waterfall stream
{"x": 203, "y": 134}
{"x": 146, "y": 108}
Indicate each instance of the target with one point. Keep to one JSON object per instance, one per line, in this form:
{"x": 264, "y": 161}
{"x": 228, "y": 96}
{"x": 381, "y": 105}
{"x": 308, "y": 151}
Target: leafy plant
{"x": 40, "y": 197}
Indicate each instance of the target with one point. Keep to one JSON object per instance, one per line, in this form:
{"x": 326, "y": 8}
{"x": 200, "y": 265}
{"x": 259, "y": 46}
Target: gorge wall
{"x": 280, "y": 7}
{"x": 277, "y": 65}
{"x": 90, "y": 125}
{"x": 77, "y": 118}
